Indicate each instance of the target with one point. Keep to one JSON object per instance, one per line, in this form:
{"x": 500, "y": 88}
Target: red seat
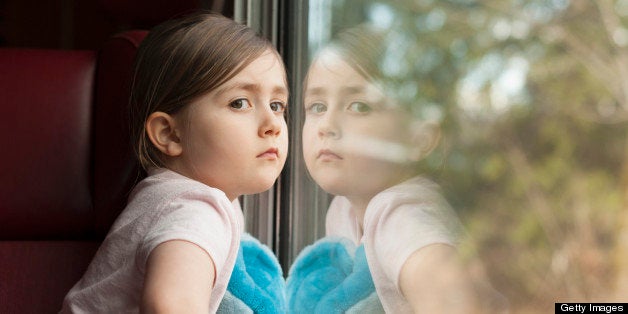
{"x": 66, "y": 167}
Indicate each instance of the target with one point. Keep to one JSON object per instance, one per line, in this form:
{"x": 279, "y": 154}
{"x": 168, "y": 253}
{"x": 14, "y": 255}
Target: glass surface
{"x": 531, "y": 98}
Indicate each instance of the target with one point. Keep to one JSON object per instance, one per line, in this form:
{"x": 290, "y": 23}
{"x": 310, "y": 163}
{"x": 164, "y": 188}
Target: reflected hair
{"x": 181, "y": 60}
{"x": 362, "y": 47}
{"x": 385, "y": 57}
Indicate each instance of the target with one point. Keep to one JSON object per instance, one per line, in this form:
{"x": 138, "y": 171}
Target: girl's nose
{"x": 270, "y": 124}
{"x": 329, "y": 126}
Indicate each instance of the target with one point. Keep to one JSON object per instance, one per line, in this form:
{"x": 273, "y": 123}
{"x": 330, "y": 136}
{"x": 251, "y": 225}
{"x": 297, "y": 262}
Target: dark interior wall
{"x": 86, "y": 24}
{"x": 69, "y": 24}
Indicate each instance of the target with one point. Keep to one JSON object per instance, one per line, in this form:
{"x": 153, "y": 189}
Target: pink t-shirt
{"x": 397, "y": 222}
{"x": 164, "y": 206}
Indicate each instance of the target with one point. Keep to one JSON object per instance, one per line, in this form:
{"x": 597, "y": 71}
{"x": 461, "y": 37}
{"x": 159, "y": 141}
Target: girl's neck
{"x": 358, "y": 206}
{"x": 359, "y": 203}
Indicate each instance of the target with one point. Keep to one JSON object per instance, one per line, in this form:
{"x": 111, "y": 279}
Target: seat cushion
{"x": 46, "y": 113}
{"x": 36, "y": 275}
{"x": 115, "y": 166}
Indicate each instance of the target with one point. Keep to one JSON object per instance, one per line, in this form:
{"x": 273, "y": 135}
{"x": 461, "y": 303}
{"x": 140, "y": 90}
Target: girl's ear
{"x": 425, "y": 137}
{"x": 162, "y": 131}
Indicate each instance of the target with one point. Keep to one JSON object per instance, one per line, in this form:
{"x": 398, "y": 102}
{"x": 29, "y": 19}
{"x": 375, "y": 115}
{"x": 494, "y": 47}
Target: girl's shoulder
{"x": 164, "y": 184}
{"x": 417, "y": 203}
{"x": 166, "y": 191}
{"x": 417, "y": 190}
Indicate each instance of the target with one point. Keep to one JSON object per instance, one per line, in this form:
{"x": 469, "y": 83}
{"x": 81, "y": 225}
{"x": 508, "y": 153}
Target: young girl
{"x": 207, "y": 111}
{"x": 363, "y": 143}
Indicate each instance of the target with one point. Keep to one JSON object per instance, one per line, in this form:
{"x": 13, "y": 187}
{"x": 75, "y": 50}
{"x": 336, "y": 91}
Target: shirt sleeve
{"x": 191, "y": 218}
{"x": 398, "y": 229}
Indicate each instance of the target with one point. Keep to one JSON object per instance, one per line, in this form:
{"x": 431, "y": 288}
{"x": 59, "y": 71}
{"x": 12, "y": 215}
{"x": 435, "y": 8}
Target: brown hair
{"x": 363, "y": 48}
{"x": 181, "y": 60}
{"x": 370, "y": 50}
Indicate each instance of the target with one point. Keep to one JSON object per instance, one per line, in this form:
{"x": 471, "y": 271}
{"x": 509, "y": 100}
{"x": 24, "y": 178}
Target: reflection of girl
{"x": 362, "y": 144}
{"x": 208, "y": 119}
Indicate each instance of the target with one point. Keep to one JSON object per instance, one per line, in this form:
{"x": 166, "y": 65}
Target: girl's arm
{"x": 179, "y": 279}
{"x": 433, "y": 280}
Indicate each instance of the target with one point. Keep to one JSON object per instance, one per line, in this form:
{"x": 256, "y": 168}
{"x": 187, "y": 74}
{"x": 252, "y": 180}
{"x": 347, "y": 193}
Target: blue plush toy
{"x": 329, "y": 276}
{"x": 257, "y": 284}
{"x": 332, "y": 276}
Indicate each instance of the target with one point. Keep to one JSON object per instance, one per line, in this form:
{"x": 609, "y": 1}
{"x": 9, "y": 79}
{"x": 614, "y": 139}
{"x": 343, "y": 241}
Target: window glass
{"x": 525, "y": 105}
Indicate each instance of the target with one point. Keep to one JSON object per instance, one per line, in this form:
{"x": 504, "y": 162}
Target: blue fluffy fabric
{"x": 257, "y": 284}
{"x": 332, "y": 276}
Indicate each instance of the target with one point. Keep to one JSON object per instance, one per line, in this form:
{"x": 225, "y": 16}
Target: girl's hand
{"x": 179, "y": 279}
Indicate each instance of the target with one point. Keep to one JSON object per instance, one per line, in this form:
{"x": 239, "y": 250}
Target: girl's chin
{"x": 260, "y": 187}
{"x": 336, "y": 187}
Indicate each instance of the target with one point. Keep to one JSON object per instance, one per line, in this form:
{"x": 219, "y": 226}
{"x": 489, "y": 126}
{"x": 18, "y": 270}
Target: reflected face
{"x": 353, "y": 137}
{"x": 235, "y": 137}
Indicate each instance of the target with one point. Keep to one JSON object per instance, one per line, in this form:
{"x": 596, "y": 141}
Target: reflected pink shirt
{"x": 397, "y": 222}
{"x": 165, "y": 206}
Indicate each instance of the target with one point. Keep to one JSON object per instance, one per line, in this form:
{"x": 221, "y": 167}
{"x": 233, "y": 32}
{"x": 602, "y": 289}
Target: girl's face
{"x": 354, "y": 139}
{"x": 235, "y": 137}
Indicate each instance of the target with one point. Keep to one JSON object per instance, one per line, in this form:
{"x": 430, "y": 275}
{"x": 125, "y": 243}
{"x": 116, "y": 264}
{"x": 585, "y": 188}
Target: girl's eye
{"x": 317, "y": 108}
{"x": 240, "y": 104}
{"x": 360, "y": 107}
{"x": 277, "y": 106}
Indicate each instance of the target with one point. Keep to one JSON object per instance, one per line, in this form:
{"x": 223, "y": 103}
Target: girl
{"x": 362, "y": 143}
{"x": 207, "y": 117}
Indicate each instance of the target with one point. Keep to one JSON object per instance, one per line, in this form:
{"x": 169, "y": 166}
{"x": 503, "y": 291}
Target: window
{"x": 532, "y": 101}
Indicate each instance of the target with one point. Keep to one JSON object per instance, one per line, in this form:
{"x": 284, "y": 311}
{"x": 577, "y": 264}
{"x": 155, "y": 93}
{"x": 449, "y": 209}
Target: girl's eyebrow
{"x": 350, "y": 90}
{"x": 282, "y": 90}
{"x": 345, "y": 90}
{"x": 315, "y": 91}
{"x": 250, "y": 87}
